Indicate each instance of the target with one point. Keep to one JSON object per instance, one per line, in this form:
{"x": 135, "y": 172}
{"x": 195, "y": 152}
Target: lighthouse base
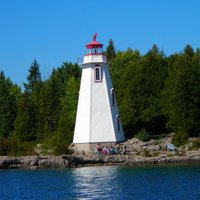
{"x": 91, "y": 147}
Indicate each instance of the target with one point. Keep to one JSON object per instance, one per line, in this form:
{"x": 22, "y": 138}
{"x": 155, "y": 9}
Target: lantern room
{"x": 94, "y": 47}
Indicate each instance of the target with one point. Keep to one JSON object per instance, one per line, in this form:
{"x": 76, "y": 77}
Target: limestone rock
{"x": 33, "y": 167}
{"x": 153, "y": 148}
{"x": 15, "y": 166}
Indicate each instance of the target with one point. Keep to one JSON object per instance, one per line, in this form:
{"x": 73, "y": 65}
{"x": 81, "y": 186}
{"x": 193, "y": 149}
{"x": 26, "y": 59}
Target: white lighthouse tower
{"x": 97, "y": 118}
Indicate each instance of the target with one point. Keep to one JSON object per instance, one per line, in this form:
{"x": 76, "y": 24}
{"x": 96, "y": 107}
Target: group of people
{"x": 112, "y": 150}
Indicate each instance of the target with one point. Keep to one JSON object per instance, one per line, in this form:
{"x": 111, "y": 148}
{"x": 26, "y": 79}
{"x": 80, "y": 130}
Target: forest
{"x": 155, "y": 93}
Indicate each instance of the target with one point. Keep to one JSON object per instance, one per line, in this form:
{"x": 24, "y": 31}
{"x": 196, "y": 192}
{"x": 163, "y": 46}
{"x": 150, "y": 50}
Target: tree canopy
{"x": 154, "y": 92}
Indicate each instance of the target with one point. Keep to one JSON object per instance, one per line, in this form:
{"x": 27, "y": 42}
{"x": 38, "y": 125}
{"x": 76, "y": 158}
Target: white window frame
{"x": 112, "y": 91}
{"x": 118, "y": 123}
{"x": 97, "y": 67}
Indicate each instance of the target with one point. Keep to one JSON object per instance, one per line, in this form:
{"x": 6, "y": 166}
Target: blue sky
{"x": 56, "y": 31}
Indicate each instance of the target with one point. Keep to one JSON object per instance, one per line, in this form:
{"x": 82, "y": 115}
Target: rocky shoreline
{"x": 137, "y": 153}
{"x": 68, "y": 161}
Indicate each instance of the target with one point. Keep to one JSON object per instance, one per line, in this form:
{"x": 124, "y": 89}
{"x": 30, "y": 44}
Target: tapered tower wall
{"x": 97, "y": 119}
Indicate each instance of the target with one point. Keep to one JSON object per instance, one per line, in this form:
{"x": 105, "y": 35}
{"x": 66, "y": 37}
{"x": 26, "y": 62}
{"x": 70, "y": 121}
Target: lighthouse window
{"x": 113, "y": 96}
{"x": 97, "y": 73}
{"x": 89, "y": 51}
{"x": 118, "y": 122}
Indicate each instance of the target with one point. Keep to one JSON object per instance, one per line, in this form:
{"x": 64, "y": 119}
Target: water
{"x": 174, "y": 182}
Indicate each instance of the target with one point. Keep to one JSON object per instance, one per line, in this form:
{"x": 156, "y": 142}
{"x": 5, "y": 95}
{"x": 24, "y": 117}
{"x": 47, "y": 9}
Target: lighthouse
{"x": 97, "y": 117}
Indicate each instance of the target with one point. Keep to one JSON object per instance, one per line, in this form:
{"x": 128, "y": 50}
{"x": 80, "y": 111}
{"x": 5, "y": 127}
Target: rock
{"x": 50, "y": 151}
{"x": 132, "y": 149}
{"x": 192, "y": 153}
{"x": 134, "y": 140}
{"x": 143, "y": 144}
{"x": 15, "y": 166}
{"x": 108, "y": 159}
{"x": 120, "y": 158}
{"x": 152, "y": 142}
{"x": 38, "y": 149}
{"x": 191, "y": 139}
{"x": 26, "y": 160}
{"x": 163, "y": 160}
{"x": 190, "y": 145}
{"x": 155, "y": 154}
{"x": 53, "y": 161}
{"x": 4, "y": 162}
{"x": 166, "y": 140}
{"x": 34, "y": 167}
{"x": 153, "y": 148}
{"x": 34, "y": 162}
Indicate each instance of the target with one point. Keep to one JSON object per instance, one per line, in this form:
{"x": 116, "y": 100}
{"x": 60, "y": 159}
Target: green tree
{"x": 51, "y": 99}
{"x": 182, "y": 93}
{"x": 149, "y": 83}
{"x": 138, "y": 81}
{"x": 123, "y": 72}
{"x": 110, "y": 51}
{"x": 8, "y": 96}
{"x": 68, "y": 112}
{"x": 188, "y": 50}
{"x": 28, "y": 113}
{"x": 50, "y": 106}
{"x": 25, "y": 123}
{"x": 33, "y": 79}
{"x": 33, "y": 87}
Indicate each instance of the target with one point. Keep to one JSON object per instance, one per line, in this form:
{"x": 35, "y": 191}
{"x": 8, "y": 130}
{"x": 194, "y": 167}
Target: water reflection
{"x": 96, "y": 183}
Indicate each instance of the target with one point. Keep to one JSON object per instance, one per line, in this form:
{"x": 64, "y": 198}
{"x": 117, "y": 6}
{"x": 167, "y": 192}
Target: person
{"x": 99, "y": 148}
{"x": 105, "y": 151}
{"x": 111, "y": 150}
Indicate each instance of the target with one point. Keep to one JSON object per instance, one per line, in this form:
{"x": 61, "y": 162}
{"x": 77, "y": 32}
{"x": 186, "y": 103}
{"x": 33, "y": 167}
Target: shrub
{"x": 147, "y": 153}
{"x": 180, "y": 153}
{"x": 196, "y": 144}
{"x": 14, "y": 147}
{"x": 55, "y": 145}
{"x": 180, "y": 139}
{"x": 61, "y": 148}
{"x": 5, "y": 147}
{"x": 143, "y": 135}
{"x": 155, "y": 154}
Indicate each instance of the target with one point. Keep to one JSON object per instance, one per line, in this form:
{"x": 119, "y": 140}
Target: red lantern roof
{"x": 94, "y": 43}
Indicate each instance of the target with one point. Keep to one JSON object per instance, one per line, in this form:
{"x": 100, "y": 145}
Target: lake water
{"x": 172, "y": 182}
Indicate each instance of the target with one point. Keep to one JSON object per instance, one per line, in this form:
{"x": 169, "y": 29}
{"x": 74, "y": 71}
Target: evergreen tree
{"x": 8, "y": 96}
{"x": 25, "y": 123}
{"x": 33, "y": 78}
{"x": 188, "y": 50}
{"x": 110, "y": 51}
{"x": 138, "y": 83}
{"x": 152, "y": 91}
{"x": 50, "y": 106}
{"x": 28, "y": 113}
{"x": 152, "y": 73}
{"x": 52, "y": 94}
{"x": 181, "y": 94}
